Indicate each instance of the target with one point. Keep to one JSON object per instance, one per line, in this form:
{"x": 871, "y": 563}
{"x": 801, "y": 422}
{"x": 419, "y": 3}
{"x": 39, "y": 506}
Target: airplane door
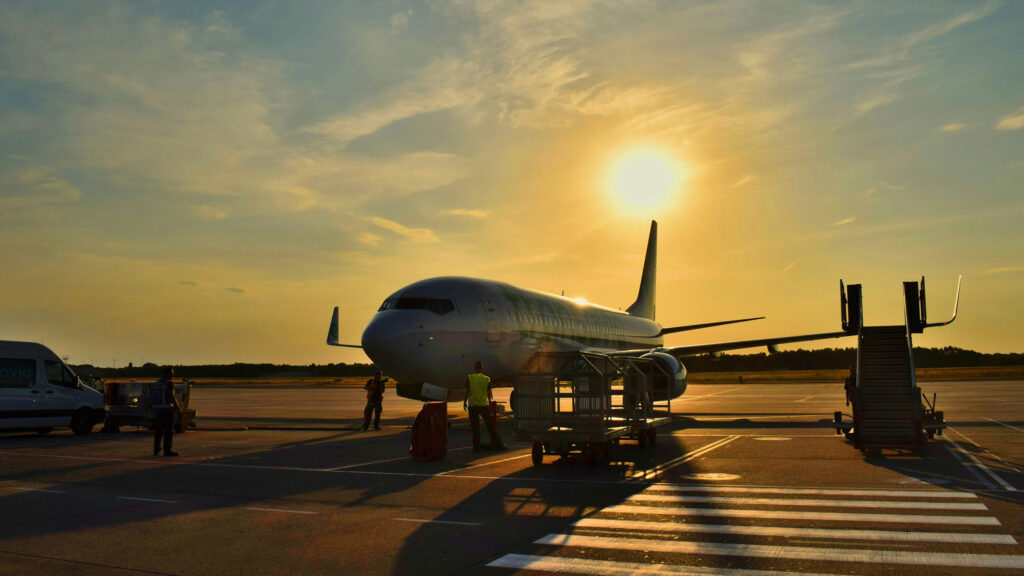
{"x": 492, "y": 326}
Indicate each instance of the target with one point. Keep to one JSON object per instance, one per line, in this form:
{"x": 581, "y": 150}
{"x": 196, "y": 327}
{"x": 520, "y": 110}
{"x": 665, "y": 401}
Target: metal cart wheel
{"x": 537, "y": 453}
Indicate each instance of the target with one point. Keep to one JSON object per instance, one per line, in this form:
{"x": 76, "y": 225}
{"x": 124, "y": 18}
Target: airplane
{"x": 428, "y": 335}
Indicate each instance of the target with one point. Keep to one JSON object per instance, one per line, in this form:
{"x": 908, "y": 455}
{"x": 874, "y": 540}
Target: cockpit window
{"x": 438, "y": 306}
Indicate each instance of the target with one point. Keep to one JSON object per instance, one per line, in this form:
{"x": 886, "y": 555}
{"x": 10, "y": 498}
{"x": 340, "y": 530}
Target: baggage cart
{"x": 583, "y": 402}
{"x": 128, "y": 405}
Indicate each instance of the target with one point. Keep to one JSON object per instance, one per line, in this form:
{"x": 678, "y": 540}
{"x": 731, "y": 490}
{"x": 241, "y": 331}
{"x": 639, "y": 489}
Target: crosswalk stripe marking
{"x": 802, "y": 515}
{"x": 610, "y": 568}
{"x": 914, "y": 557}
{"x": 839, "y": 534}
{"x": 679, "y": 460}
{"x": 647, "y": 497}
{"x": 814, "y": 491}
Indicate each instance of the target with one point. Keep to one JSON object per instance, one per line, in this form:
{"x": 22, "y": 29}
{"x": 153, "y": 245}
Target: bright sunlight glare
{"x": 645, "y": 180}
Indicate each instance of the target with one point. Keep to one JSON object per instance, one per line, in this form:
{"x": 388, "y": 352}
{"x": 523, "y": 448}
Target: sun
{"x": 645, "y": 180}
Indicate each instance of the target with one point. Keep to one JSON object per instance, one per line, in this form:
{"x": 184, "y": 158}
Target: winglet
{"x": 332, "y": 333}
{"x": 644, "y": 305}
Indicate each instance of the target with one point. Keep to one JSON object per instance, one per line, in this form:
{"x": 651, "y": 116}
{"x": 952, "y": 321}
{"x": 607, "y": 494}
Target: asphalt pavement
{"x": 749, "y": 479}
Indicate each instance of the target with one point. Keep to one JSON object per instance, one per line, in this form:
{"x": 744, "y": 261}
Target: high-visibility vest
{"x": 478, "y": 389}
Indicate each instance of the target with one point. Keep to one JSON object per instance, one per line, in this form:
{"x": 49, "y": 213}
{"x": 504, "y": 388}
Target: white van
{"x": 38, "y": 391}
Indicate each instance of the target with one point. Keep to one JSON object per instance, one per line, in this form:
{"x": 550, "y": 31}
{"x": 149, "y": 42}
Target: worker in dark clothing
{"x": 478, "y": 397}
{"x": 851, "y": 383}
{"x": 165, "y": 406}
{"x": 374, "y": 400}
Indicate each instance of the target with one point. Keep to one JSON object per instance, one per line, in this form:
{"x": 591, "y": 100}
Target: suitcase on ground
{"x": 430, "y": 433}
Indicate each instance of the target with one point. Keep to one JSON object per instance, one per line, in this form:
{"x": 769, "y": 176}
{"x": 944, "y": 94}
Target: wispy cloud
{"x": 188, "y": 283}
{"x": 843, "y": 222}
{"x": 34, "y": 186}
{"x": 955, "y": 127}
{"x": 370, "y": 239}
{"x": 1014, "y": 121}
{"x": 207, "y": 212}
{"x": 236, "y": 290}
{"x": 790, "y": 267}
{"x": 468, "y": 212}
{"x": 743, "y": 181}
{"x": 416, "y": 235}
{"x": 1005, "y": 270}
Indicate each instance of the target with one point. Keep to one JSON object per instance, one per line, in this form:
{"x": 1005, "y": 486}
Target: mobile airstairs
{"x": 889, "y": 410}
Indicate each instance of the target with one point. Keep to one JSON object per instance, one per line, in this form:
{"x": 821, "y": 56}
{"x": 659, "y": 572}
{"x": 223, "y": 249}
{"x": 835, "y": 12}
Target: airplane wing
{"x": 674, "y": 329}
{"x": 693, "y": 349}
{"x": 332, "y": 333}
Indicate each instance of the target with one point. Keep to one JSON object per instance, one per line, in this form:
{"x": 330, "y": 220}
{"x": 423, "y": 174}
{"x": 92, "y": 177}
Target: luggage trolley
{"x": 582, "y": 402}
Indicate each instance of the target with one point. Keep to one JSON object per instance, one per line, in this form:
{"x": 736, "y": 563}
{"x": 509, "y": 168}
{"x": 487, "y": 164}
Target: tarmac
{"x": 750, "y": 479}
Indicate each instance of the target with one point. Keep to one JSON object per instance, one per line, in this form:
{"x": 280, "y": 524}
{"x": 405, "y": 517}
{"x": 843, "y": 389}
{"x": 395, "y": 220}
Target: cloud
{"x": 400, "y": 21}
{"x": 1005, "y": 270}
{"x": 370, "y": 239}
{"x": 953, "y": 127}
{"x": 188, "y": 283}
{"x": 467, "y": 212}
{"x": 207, "y": 212}
{"x": 843, "y": 222}
{"x": 790, "y": 267}
{"x": 1014, "y": 121}
{"x": 35, "y": 186}
{"x": 236, "y": 290}
{"x": 743, "y": 181}
{"x": 416, "y": 235}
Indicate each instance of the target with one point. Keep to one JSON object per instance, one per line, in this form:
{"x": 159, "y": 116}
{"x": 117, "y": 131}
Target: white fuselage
{"x": 434, "y": 330}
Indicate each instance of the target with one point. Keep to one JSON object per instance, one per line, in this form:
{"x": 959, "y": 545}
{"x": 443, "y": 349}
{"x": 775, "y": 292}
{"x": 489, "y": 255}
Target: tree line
{"x": 823, "y": 359}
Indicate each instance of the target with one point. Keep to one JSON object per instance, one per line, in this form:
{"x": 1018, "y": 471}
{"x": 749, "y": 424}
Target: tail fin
{"x": 644, "y": 305}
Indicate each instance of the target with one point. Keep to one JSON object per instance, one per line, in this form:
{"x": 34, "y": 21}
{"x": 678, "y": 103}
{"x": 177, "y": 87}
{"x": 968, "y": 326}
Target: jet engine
{"x": 676, "y": 383}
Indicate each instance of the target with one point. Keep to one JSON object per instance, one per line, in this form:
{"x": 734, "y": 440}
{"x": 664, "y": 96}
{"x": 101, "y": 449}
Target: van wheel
{"x": 44, "y": 431}
{"x": 81, "y": 422}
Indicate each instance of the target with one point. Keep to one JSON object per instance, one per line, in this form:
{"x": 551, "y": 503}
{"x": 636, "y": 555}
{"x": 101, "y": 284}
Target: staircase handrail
{"x": 910, "y": 348}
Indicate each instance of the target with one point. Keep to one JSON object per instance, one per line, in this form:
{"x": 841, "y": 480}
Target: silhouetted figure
{"x": 851, "y": 383}
{"x": 165, "y": 406}
{"x": 374, "y": 400}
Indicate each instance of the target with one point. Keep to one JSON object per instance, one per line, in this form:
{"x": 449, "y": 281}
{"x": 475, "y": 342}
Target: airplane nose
{"x": 385, "y": 341}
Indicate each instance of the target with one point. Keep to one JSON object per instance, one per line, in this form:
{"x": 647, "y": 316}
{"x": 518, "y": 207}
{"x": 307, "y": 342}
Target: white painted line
{"x": 915, "y": 557}
{"x": 802, "y": 515}
{"x": 974, "y": 472}
{"x": 805, "y": 399}
{"x": 811, "y": 502}
{"x": 422, "y": 521}
{"x": 137, "y": 499}
{"x": 768, "y": 531}
{"x": 40, "y": 490}
{"x": 1004, "y": 424}
{"x": 286, "y": 511}
{"x": 986, "y": 469}
{"x": 653, "y": 472}
{"x": 406, "y": 457}
{"x": 609, "y": 568}
{"x": 691, "y": 398}
{"x": 483, "y": 464}
{"x": 814, "y": 491}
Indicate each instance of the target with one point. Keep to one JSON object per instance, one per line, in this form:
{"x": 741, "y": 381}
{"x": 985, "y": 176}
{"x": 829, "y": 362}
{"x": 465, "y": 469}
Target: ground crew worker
{"x": 478, "y": 395}
{"x": 850, "y": 384}
{"x": 165, "y": 406}
{"x": 374, "y": 400}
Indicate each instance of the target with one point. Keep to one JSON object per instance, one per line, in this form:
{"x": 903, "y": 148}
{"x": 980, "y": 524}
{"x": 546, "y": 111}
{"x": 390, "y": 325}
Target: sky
{"x": 202, "y": 182}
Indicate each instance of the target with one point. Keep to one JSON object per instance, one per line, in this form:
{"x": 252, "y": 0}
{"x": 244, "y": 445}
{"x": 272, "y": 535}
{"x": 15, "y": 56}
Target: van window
{"x": 17, "y": 372}
{"x": 59, "y": 375}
